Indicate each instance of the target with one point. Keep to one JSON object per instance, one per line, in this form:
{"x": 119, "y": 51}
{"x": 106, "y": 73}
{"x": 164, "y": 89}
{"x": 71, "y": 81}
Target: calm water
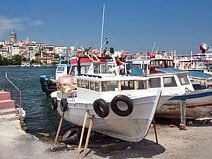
{"x": 39, "y": 115}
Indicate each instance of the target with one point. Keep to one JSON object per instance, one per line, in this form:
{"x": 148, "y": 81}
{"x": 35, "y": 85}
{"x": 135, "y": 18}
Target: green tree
{"x": 17, "y": 60}
{"x": 56, "y": 56}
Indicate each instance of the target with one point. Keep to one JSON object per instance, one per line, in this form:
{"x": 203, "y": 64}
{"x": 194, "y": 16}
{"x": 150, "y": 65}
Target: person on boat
{"x": 119, "y": 65}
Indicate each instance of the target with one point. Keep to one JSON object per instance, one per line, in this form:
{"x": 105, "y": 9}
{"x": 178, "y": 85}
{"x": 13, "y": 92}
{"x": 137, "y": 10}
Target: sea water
{"x": 40, "y": 118}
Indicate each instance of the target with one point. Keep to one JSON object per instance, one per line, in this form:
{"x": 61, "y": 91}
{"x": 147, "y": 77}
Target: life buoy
{"x": 187, "y": 90}
{"x": 64, "y": 104}
{"x": 54, "y": 103}
{"x": 101, "y": 108}
{"x": 116, "y": 107}
{"x": 71, "y": 136}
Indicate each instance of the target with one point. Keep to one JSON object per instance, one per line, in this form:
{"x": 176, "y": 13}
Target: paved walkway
{"x": 195, "y": 143}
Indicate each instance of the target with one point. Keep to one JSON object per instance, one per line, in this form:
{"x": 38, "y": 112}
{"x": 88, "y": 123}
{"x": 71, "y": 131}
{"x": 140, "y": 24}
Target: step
{"x": 6, "y": 104}
{"x": 5, "y": 95}
{"x": 8, "y": 111}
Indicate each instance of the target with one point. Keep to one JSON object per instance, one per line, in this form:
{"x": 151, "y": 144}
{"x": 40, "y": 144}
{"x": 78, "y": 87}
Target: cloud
{"x": 6, "y": 24}
{"x": 36, "y": 22}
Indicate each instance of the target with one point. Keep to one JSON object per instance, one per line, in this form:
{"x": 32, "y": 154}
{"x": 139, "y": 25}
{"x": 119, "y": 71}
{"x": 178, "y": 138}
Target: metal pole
{"x": 103, "y": 17}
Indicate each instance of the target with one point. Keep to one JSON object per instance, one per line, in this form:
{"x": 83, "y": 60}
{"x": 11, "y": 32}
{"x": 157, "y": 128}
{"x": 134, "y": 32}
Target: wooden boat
{"x": 181, "y": 85}
{"x": 121, "y": 107}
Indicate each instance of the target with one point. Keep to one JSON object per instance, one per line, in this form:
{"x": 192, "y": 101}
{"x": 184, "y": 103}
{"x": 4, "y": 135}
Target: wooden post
{"x": 88, "y": 135}
{"x": 154, "y": 126}
{"x": 59, "y": 127}
{"x": 183, "y": 115}
{"x": 82, "y": 133}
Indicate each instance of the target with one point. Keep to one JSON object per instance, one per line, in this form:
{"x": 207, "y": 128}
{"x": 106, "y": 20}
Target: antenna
{"x": 153, "y": 48}
{"x": 103, "y": 17}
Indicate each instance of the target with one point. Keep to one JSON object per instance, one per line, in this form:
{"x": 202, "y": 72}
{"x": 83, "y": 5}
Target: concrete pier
{"x": 195, "y": 142}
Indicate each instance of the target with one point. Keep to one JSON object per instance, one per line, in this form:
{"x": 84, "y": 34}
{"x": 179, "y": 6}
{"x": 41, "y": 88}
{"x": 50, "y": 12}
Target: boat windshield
{"x": 109, "y": 85}
{"x": 183, "y": 79}
{"x": 60, "y": 68}
{"x": 154, "y": 82}
{"x": 169, "y": 82}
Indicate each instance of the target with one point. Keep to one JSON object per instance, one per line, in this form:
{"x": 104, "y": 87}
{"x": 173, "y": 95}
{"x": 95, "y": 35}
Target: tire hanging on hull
{"x": 64, "y": 104}
{"x": 116, "y": 107}
{"x": 54, "y": 103}
{"x": 101, "y": 108}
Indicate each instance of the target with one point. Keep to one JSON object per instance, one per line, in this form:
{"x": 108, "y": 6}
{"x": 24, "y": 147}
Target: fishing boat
{"x": 197, "y": 95}
{"x": 48, "y": 82}
{"x": 189, "y": 86}
{"x": 120, "y": 106}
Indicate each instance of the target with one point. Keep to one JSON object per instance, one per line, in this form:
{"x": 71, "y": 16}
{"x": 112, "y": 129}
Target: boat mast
{"x": 103, "y": 16}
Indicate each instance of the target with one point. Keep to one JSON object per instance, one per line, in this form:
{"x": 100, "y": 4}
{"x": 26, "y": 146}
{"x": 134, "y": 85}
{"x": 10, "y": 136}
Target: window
{"x": 97, "y": 86}
{"x": 169, "y": 82}
{"x": 127, "y": 85}
{"x": 60, "y": 69}
{"x": 87, "y": 83}
{"x": 154, "y": 82}
{"x": 183, "y": 79}
{"x": 141, "y": 85}
{"x": 79, "y": 83}
{"x": 83, "y": 84}
{"x": 92, "y": 85}
{"x": 109, "y": 85}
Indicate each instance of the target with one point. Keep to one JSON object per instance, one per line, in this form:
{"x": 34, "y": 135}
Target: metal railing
{"x": 8, "y": 85}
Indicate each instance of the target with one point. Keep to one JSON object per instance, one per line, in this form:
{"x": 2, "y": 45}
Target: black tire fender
{"x": 101, "y": 108}
{"x": 71, "y": 136}
{"x": 117, "y": 110}
{"x": 54, "y": 103}
{"x": 64, "y": 104}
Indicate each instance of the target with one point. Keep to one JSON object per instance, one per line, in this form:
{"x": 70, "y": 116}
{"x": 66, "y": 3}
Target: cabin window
{"x": 103, "y": 68}
{"x": 109, "y": 86}
{"x": 169, "y": 82}
{"x": 97, "y": 86}
{"x": 79, "y": 83}
{"x": 87, "y": 84}
{"x": 183, "y": 79}
{"x": 83, "y": 85}
{"x": 92, "y": 85}
{"x": 141, "y": 85}
{"x": 127, "y": 85}
{"x": 154, "y": 82}
{"x": 60, "y": 69}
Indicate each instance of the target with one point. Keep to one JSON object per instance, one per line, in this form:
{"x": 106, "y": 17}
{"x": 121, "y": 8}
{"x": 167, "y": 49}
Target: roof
{"x": 197, "y": 74}
{"x": 194, "y": 74}
{"x": 169, "y": 70}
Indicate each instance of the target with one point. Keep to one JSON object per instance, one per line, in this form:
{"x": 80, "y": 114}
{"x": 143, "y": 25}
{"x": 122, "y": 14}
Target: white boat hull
{"x": 198, "y": 105}
{"x": 131, "y": 128}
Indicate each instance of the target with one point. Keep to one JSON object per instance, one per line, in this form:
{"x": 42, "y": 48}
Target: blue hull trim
{"x": 192, "y": 95}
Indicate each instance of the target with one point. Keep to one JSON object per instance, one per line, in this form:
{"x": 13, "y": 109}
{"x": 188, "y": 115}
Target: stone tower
{"x": 13, "y": 37}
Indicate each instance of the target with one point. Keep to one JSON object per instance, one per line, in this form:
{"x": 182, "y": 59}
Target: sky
{"x": 131, "y": 25}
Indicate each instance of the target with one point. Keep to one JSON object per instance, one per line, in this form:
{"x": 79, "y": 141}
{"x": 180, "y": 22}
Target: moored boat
{"x": 122, "y": 108}
{"x": 183, "y": 84}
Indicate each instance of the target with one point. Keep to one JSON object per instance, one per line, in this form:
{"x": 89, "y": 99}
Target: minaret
{"x": 13, "y": 38}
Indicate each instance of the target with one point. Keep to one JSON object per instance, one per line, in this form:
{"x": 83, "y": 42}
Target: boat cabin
{"x": 101, "y": 85}
{"x": 62, "y": 69}
{"x": 145, "y": 66}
